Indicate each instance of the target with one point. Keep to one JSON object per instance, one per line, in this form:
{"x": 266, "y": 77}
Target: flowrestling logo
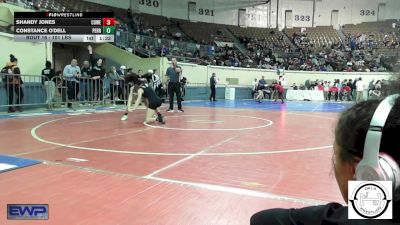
{"x": 370, "y": 200}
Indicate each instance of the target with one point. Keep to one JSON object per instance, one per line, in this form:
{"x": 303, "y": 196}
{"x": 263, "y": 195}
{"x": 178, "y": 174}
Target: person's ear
{"x": 356, "y": 160}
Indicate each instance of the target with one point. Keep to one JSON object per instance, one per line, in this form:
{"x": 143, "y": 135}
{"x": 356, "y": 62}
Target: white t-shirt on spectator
{"x": 360, "y": 85}
{"x": 254, "y": 85}
{"x": 282, "y": 79}
{"x": 326, "y": 87}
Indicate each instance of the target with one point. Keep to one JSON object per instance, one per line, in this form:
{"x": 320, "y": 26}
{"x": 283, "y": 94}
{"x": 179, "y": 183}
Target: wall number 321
{"x": 206, "y": 12}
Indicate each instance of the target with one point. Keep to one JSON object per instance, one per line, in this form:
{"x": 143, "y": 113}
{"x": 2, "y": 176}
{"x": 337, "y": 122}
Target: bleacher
{"x": 50, "y": 4}
{"x": 269, "y": 35}
{"x": 182, "y": 37}
{"x": 205, "y": 33}
{"x": 163, "y": 26}
{"x": 377, "y": 31}
{"x": 317, "y": 36}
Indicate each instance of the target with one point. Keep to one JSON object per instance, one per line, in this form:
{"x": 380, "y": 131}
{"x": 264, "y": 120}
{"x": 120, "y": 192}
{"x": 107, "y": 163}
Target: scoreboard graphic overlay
{"x": 64, "y": 26}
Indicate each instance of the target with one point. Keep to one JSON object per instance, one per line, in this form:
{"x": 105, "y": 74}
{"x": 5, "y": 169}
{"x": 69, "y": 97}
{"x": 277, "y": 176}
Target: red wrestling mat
{"x": 206, "y": 166}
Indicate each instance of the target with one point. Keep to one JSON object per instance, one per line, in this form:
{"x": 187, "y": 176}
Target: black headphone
{"x": 375, "y": 165}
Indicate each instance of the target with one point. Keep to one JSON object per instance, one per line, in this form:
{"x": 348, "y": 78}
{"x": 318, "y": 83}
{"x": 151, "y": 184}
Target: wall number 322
{"x": 365, "y": 12}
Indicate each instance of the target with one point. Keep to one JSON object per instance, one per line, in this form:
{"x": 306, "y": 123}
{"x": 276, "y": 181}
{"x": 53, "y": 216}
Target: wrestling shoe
{"x": 160, "y": 119}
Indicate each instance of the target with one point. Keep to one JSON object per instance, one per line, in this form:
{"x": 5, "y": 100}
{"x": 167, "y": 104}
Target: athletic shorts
{"x": 155, "y": 105}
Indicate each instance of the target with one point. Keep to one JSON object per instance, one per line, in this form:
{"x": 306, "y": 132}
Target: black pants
{"x": 14, "y": 89}
{"x": 213, "y": 91}
{"x": 98, "y": 90}
{"x": 121, "y": 90}
{"x": 71, "y": 87}
{"x": 159, "y": 91}
{"x": 183, "y": 93}
{"x": 62, "y": 89}
{"x": 174, "y": 87}
{"x": 278, "y": 95}
{"x": 334, "y": 94}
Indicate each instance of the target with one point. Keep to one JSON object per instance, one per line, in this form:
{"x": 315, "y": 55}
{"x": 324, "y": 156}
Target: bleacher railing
{"x": 21, "y": 90}
{"x": 39, "y": 91}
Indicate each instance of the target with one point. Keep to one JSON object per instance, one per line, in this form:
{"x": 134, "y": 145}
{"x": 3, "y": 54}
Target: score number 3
{"x": 108, "y": 21}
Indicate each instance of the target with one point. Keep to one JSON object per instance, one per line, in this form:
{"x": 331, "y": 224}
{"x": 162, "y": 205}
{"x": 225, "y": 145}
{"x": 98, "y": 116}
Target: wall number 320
{"x": 150, "y": 3}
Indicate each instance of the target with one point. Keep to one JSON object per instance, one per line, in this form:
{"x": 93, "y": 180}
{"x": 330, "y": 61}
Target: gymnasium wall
{"x": 29, "y": 64}
{"x": 31, "y": 56}
{"x": 356, "y": 11}
{"x": 127, "y": 59}
{"x": 245, "y": 76}
{"x": 265, "y": 15}
{"x": 7, "y": 13}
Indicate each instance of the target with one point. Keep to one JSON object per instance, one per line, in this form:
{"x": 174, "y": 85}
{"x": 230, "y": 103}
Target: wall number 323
{"x": 302, "y": 18}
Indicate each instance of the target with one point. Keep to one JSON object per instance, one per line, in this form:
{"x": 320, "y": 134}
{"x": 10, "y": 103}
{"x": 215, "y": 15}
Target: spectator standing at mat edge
{"x": 71, "y": 73}
{"x": 49, "y": 84}
{"x": 13, "y": 84}
{"x": 85, "y": 84}
{"x": 174, "y": 86}
{"x": 360, "y": 90}
{"x": 254, "y": 86}
{"x": 98, "y": 73}
{"x": 278, "y": 91}
{"x": 213, "y": 82}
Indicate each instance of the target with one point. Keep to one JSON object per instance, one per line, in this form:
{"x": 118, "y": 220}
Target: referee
{"x": 174, "y": 85}
{"x": 213, "y": 82}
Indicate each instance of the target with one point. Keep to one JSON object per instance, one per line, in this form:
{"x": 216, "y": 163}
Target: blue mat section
{"x": 301, "y": 106}
{"x": 58, "y": 112}
{"x": 8, "y": 163}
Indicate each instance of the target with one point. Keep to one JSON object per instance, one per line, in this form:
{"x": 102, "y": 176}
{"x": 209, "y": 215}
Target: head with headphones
{"x": 367, "y": 145}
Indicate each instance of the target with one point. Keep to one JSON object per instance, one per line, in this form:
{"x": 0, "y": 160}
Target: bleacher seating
{"x": 50, "y": 5}
{"x": 318, "y": 37}
{"x": 205, "y": 33}
{"x": 162, "y": 26}
{"x": 381, "y": 32}
{"x": 182, "y": 38}
{"x": 269, "y": 35}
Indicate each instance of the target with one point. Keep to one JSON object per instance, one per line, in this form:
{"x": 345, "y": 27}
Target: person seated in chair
{"x": 345, "y": 93}
{"x": 333, "y": 91}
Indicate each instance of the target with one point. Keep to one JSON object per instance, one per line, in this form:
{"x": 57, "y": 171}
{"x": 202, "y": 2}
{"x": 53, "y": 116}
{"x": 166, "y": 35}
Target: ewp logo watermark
{"x": 27, "y": 211}
{"x": 370, "y": 200}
